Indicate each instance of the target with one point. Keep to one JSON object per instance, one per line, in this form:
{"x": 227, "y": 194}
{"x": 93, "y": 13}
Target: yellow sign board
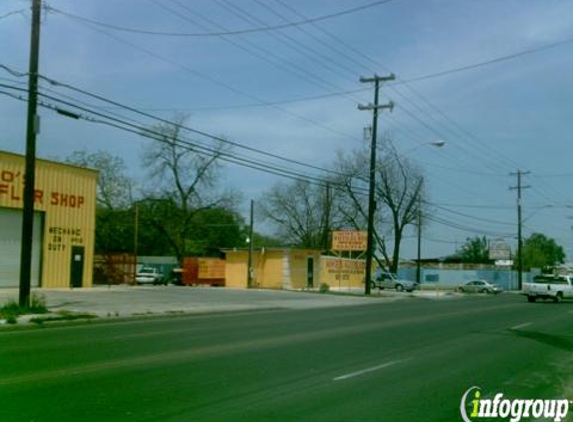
{"x": 349, "y": 240}
{"x": 342, "y": 272}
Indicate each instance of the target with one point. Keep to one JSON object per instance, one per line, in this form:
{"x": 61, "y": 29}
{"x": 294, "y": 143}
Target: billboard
{"x": 349, "y": 240}
{"x": 499, "y": 250}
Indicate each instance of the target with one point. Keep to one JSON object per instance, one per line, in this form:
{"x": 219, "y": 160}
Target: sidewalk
{"x": 132, "y": 301}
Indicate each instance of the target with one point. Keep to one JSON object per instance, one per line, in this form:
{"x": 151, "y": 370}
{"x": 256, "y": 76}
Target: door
{"x": 77, "y": 267}
{"x": 310, "y": 272}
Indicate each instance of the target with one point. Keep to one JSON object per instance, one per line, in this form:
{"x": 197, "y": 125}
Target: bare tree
{"x": 399, "y": 187}
{"x": 186, "y": 181}
{"x": 302, "y": 213}
{"x": 114, "y": 187}
{"x": 352, "y": 185}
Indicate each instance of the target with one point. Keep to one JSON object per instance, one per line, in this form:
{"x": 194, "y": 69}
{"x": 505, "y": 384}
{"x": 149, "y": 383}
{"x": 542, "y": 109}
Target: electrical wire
{"x": 153, "y": 134}
{"x": 218, "y": 34}
{"x": 201, "y": 149}
{"x": 224, "y": 85}
{"x": 114, "y": 103}
{"x": 14, "y": 12}
{"x": 482, "y": 147}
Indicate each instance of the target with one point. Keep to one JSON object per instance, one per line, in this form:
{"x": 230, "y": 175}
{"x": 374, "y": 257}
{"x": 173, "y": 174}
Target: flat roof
{"x": 59, "y": 163}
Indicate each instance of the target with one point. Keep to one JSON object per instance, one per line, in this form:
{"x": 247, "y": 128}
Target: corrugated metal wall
{"x": 67, "y": 195}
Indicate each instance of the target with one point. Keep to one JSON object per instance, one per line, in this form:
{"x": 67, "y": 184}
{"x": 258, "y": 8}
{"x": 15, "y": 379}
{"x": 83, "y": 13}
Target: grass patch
{"x": 11, "y": 310}
{"x": 62, "y": 316}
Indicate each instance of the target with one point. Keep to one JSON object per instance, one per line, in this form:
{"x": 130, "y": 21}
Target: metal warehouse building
{"x": 64, "y": 223}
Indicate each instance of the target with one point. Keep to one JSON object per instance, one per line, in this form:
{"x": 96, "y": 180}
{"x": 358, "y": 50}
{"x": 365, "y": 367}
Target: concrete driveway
{"x": 124, "y": 301}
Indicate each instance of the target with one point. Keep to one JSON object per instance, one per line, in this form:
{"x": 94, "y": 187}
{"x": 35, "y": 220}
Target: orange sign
{"x": 211, "y": 268}
{"x": 349, "y": 240}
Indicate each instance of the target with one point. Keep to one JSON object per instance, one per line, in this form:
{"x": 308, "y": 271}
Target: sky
{"x": 286, "y": 91}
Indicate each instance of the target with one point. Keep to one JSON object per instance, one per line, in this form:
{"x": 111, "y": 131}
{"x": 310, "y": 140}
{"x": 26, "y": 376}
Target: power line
{"x": 465, "y": 228}
{"x": 149, "y": 133}
{"x": 492, "y": 154}
{"x": 473, "y": 217}
{"x": 377, "y": 64}
{"x": 491, "y": 61}
{"x": 142, "y": 130}
{"x": 196, "y": 131}
{"x": 224, "y": 33}
{"x": 223, "y": 84}
{"x": 260, "y": 52}
{"x": 14, "y": 12}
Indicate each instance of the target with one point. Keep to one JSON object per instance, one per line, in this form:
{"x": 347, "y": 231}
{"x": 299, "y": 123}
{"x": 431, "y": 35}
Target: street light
{"x": 437, "y": 144}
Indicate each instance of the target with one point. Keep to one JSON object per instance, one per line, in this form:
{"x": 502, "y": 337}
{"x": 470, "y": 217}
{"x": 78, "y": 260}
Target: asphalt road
{"x": 402, "y": 361}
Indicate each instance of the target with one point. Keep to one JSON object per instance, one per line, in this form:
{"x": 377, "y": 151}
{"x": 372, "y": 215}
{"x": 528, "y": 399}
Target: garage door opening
{"x": 11, "y": 245}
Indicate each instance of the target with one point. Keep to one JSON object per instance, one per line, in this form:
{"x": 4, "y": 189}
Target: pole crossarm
{"x": 376, "y": 78}
{"x": 371, "y": 106}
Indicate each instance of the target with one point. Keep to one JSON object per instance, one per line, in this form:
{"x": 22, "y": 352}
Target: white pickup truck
{"x": 553, "y": 287}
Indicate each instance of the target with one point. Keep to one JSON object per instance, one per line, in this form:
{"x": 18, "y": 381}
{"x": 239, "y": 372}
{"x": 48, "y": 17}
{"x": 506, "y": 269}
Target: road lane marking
{"x": 368, "y": 370}
{"x": 520, "y": 326}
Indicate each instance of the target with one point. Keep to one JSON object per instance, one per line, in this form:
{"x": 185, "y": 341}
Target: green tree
{"x": 475, "y": 251}
{"x": 114, "y": 217}
{"x": 540, "y": 251}
{"x": 205, "y": 233}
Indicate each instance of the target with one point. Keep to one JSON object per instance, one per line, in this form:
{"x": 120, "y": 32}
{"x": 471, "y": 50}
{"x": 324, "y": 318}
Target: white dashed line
{"x": 520, "y": 326}
{"x": 367, "y": 370}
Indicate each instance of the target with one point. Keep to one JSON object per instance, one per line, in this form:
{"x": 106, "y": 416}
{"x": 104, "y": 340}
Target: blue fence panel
{"x": 506, "y": 279}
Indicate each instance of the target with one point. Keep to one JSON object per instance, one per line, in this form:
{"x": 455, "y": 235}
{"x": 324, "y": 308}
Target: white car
{"x": 479, "y": 286}
{"x": 385, "y": 280}
{"x": 149, "y": 275}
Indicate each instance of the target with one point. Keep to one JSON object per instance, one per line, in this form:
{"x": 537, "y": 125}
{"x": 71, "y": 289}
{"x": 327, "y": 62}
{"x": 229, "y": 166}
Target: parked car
{"x": 386, "y": 280}
{"x": 176, "y": 276}
{"x": 479, "y": 286}
{"x": 555, "y": 287}
{"x": 150, "y": 275}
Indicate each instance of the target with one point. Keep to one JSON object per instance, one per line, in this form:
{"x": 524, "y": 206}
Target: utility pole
{"x": 250, "y": 260}
{"x": 418, "y": 268}
{"x": 372, "y": 175}
{"x": 136, "y": 232}
{"x": 519, "y": 188}
{"x": 326, "y": 217}
{"x": 32, "y": 127}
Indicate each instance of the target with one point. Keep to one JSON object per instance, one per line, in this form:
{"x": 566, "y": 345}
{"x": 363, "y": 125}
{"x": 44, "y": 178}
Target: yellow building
{"x": 285, "y": 268}
{"x": 274, "y": 268}
{"x": 64, "y": 223}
